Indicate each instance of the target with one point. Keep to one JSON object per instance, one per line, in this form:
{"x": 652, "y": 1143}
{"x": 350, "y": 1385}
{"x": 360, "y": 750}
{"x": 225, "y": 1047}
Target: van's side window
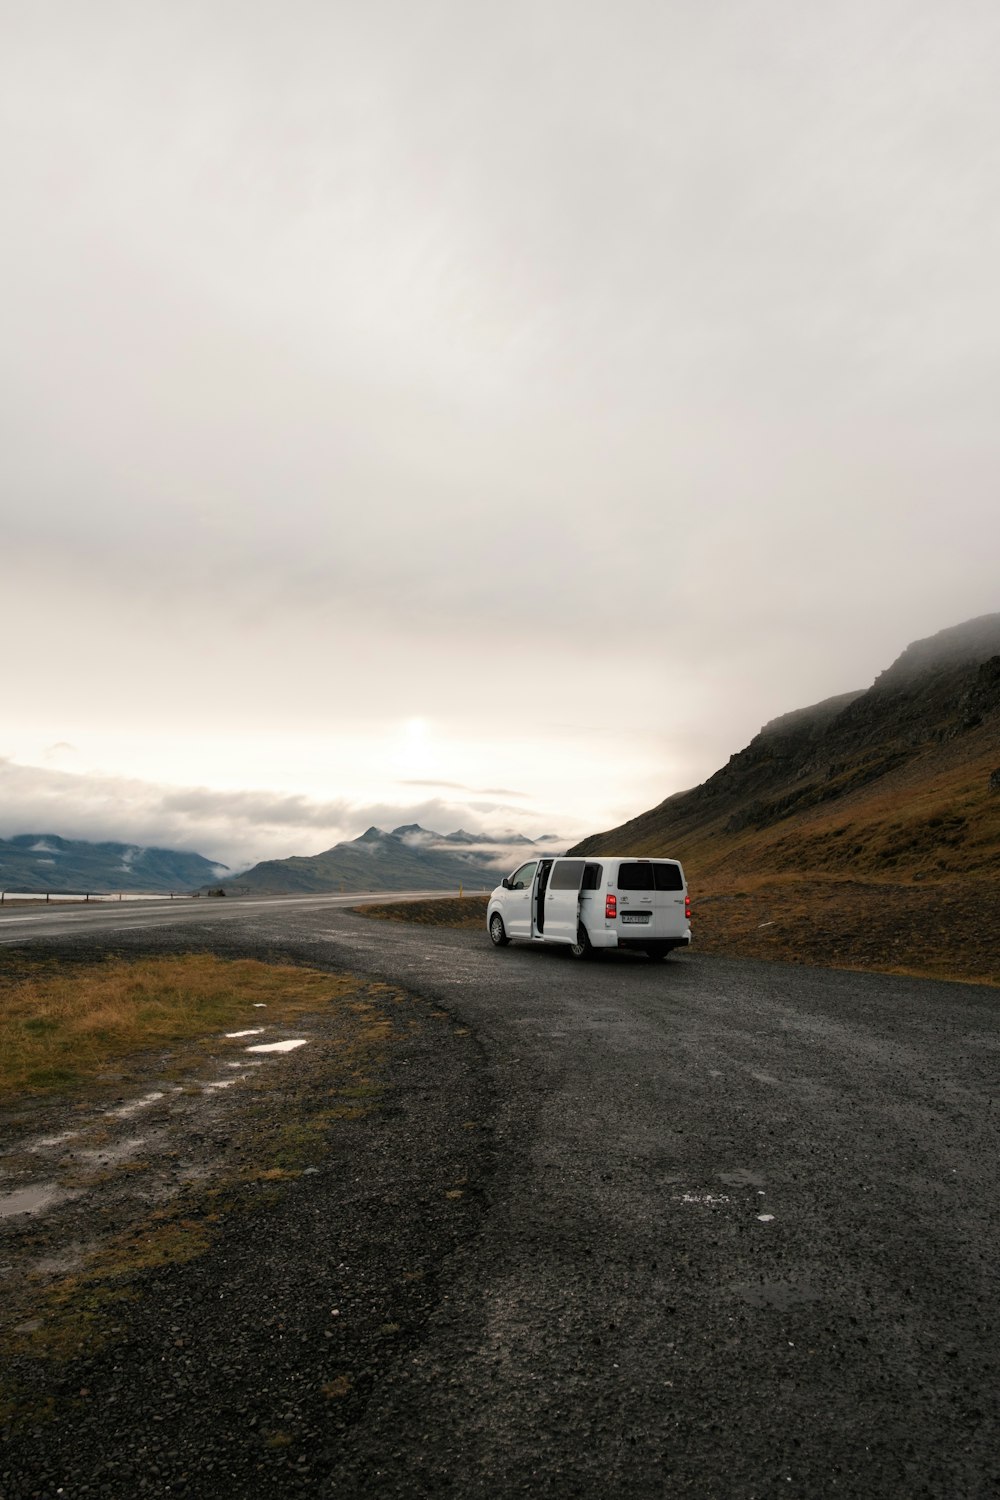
{"x": 566, "y": 875}
{"x": 635, "y": 877}
{"x": 523, "y": 877}
{"x": 668, "y": 877}
{"x": 592, "y": 877}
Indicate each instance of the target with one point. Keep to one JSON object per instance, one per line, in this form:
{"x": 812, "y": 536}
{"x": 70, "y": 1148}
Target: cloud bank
{"x": 232, "y": 828}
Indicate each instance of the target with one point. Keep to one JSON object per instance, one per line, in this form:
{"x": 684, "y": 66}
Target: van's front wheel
{"x": 582, "y": 947}
{"x": 497, "y": 931}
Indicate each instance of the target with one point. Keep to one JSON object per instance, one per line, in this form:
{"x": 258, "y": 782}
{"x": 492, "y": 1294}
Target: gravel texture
{"x": 243, "y": 1369}
{"x": 725, "y": 1229}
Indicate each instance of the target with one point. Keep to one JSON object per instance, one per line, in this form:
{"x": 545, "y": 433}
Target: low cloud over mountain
{"x": 236, "y": 828}
{"x": 409, "y": 858}
{"x": 49, "y": 863}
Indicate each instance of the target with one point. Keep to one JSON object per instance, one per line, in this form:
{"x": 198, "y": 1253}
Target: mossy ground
{"x": 240, "y": 1148}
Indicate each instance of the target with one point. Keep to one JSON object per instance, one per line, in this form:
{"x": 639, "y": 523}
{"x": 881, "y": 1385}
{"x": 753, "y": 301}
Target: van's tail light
{"x": 687, "y": 908}
{"x": 611, "y": 906}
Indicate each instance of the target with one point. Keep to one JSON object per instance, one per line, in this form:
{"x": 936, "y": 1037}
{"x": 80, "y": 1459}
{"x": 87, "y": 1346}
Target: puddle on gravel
{"x": 31, "y": 1200}
{"x": 71, "y": 1259}
{"x": 253, "y": 1031}
{"x": 109, "y": 1156}
{"x": 128, "y": 1110}
{"x": 288, "y": 1046}
{"x": 48, "y": 1141}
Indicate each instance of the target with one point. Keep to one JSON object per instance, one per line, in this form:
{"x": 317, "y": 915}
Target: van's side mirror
{"x": 505, "y": 882}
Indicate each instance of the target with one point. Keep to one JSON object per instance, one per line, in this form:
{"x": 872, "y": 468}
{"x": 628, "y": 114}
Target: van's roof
{"x": 645, "y": 859}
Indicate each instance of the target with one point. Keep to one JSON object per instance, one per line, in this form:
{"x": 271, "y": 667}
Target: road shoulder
{"x": 310, "y": 1280}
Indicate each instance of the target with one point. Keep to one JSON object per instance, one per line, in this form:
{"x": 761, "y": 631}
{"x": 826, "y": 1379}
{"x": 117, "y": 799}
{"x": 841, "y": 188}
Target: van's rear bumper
{"x": 663, "y": 943}
{"x": 610, "y": 937}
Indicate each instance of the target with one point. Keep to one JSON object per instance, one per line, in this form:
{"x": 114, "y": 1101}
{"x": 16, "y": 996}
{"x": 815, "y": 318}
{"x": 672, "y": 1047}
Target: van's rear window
{"x": 643, "y": 875}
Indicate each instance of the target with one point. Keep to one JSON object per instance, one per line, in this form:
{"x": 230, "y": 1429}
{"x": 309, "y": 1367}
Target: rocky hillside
{"x": 40, "y": 862}
{"x": 896, "y": 786}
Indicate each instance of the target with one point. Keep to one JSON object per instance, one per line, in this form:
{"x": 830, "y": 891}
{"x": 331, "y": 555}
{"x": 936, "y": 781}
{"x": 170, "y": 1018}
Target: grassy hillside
{"x": 846, "y": 832}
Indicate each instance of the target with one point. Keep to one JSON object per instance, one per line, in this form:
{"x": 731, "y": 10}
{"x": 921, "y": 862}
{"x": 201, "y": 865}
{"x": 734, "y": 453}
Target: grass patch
{"x": 338, "y": 1388}
{"x": 60, "y": 1027}
{"x": 932, "y": 931}
{"x": 283, "y": 1127}
{"x": 79, "y": 1312}
{"x": 448, "y": 911}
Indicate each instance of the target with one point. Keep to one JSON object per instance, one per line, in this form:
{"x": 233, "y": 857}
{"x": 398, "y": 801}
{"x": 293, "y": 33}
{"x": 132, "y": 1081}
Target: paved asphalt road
{"x": 741, "y": 1238}
{"x": 22, "y": 922}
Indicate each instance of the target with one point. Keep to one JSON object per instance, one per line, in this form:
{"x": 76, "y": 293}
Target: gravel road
{"x": 722, "y": 1228}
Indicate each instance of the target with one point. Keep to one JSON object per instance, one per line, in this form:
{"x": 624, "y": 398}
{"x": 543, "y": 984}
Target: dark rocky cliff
{"x": 938, "y": 691}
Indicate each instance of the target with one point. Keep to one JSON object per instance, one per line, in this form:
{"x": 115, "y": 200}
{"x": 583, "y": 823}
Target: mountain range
{"x": 36, "y": 863}
{"x": 407, "y": 858}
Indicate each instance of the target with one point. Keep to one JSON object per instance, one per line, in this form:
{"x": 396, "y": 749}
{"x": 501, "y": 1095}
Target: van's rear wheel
{"x": 582, "y": 947}
{"x": 497, "y": 931}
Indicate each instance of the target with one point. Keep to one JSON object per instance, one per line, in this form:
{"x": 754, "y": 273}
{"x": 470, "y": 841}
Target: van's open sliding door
{"x": 562, "y": 900}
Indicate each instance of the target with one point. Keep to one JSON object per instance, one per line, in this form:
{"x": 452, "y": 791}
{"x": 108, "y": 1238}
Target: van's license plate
{"x": 635, "y": 916}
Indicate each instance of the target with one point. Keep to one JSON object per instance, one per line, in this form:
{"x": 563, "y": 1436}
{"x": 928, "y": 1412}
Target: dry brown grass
{"x": 931, "y": 819}
{"x": 448, "y": 911}
{"x": 338, "y": 1388}
{"x": 948, "y": 930}
{"x": 60, "y": 1027}
{"x": 902, "y": 876}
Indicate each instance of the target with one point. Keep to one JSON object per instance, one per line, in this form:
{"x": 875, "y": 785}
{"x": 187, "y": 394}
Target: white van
{"x": 589, "y": 904}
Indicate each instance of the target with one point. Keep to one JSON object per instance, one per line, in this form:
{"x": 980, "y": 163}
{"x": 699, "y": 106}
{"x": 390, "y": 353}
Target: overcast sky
{"x": 484, "y": 415}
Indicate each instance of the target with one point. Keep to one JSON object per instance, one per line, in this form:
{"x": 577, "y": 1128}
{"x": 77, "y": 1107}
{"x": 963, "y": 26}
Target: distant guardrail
{"x": 50, "y": 898}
